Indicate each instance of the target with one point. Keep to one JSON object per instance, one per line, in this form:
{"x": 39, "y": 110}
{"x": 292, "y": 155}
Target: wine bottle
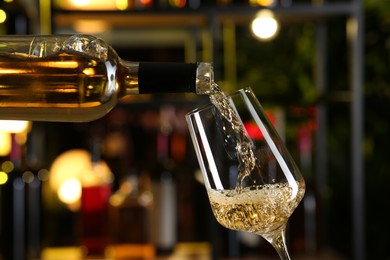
{"x": 79, "y": 78}
{"x": 164, "y": 192}
{"x": 130, "y": 213}
{"x": 96, "y": 191}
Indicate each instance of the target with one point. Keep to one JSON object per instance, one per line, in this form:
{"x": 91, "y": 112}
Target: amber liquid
{"x": 61, "y": 87}
{"x": 263, "y": 209}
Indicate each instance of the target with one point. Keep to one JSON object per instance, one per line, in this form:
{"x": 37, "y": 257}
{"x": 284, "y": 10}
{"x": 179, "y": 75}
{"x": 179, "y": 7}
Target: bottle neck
{"x": 162, "y": 77}
{"x": 129, "y": 73}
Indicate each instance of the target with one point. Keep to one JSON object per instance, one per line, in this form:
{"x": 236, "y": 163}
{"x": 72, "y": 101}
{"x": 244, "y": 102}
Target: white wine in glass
{"x": 252, "y": 182}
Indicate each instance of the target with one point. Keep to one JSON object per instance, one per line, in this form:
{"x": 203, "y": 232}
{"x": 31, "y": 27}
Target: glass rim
{"x": 210, "y": 105}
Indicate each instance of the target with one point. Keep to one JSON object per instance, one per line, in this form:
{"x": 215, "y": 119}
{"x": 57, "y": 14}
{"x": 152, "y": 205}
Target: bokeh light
{"x": 72, "y": 170}
{"x": 70, "y": 191}
{"x": 5, "y": 143}
{"x": 3, "y": 177}
{"x": 3, "y": 16}
{"x": 265, "y": 26}
{"x": 14, "y": 126}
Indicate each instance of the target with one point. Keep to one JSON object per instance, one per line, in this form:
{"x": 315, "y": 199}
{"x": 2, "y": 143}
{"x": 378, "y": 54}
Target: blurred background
{"x": 127, "y": 186}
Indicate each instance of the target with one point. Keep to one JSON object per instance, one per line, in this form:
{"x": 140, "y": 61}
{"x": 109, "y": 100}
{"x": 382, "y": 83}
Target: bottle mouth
{"x": 204, "y": 78}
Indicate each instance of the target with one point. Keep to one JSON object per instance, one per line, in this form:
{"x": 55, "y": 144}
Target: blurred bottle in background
{"x": 164, "y": 187}
{"x": 96, "y": 190}
{"x": 131, "y": 218}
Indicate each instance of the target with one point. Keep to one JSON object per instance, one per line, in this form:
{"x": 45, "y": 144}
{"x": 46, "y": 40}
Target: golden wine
{"x": 64, "y": 84}
{"x": 259, "y": 209}
{"x": 234, "y": 133}
{"x": 80, "y": 78}
{"x": 252, "y": 182}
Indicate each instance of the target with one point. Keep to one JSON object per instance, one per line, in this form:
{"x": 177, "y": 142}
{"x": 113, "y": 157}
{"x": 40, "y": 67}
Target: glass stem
{"x": 279, "y": 243}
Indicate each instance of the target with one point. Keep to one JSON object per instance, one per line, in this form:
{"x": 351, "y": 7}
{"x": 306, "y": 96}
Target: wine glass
{"x": 251, "y": 180}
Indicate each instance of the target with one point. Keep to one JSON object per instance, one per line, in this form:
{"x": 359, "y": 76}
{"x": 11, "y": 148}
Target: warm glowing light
{"x": 121, "y": 4}
{"x": 13, "y": 71}
{"x": 3, "y": 177}
{"x": 70, "y": 191}
{"x": 3, "y": 16}
{"x": 89, "y": 71}
{"x": 14, "y": 126}
{"x": 265, "y": 2}
{"x": 91, "y": 26}
{"x": 63, "y": 252}
{"x": 80, "y": 3}
{"x": 68, "y": 165}
{"x": 5, "y": 143}
{"x": 146, "y": 2}
{"x": 7, "y": 166}
{"x": 76, "y": 165}
{"x": 178, "y": 3}
{"x": 265, "y": 26}
{"x": 88, "y": 4}
{"x": 60, "y": 64}
{"x": 21, "y": 138}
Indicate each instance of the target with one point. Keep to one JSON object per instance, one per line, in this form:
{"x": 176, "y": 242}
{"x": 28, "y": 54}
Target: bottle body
{"x": 130, "y": 213}
{"x": 68, "y": 78}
